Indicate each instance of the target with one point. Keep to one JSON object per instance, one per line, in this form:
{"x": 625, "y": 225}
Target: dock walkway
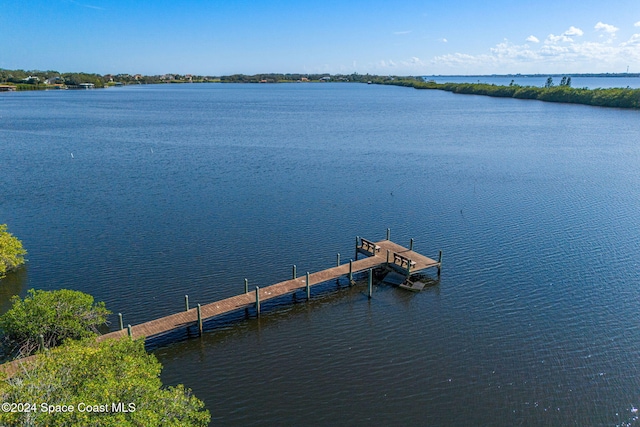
{"x": 378, "y": 254}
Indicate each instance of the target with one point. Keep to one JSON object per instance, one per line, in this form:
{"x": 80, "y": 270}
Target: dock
{"x": 398, "y": 260}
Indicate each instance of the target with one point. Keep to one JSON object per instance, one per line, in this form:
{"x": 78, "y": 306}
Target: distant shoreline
{"x": 551, "y": 92}
{"x": 612, "y": 97}
{"x": 535, "y": 75}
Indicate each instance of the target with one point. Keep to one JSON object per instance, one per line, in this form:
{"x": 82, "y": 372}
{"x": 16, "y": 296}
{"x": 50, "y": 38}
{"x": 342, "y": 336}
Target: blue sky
{"x": 378, "y": 37}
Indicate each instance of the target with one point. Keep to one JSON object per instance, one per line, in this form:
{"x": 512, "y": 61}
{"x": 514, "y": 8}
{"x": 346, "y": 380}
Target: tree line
{"x": 610, "y": 97}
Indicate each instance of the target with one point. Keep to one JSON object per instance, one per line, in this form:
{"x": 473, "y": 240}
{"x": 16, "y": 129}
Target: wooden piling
{"x": 186, "y": 303}
{"x": 338, "y": 260}
{"x": 246, "y": 286}
{"x": 258, "y": 300}
{"x": 388, "y": 256}
{"x": 41, "y": 340}
{"x": 439, "y": 262}
{"x": 308, "y": 288}
{"x": 388, "y": 234}
{"x": 370, "y": 282}
{"x": 120, "y": 319}
{"x": 411, "y": 245}
{"x": 245, "y": 300}
{"x": 294, "y": 274}
{"x": 129, "y": 332}
{"x": 199, "y": 319}
{"x": 357, "y": 238}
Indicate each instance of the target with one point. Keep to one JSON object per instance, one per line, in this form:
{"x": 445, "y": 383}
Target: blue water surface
{"x": 140, "y": 195}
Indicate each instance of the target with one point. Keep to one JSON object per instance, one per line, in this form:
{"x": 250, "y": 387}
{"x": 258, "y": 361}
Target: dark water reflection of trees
{"x": 13, "y": 284}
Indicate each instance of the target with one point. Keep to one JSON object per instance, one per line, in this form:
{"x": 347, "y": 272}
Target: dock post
{"x": 120, "y": 319}
{"x": 338, "y": 260}
{"x": 388, "y": 255}
{"x": 308, "y": 288}
{"x": 199, "y": 319}
{"x": 258, "y": 300}
{"x": 370, "y": 283}
{"x": 246, "y": 286}
{"x": 41, "y": 341}
{"x": 411, "y": 245}
{"x": 350, "y": 271}
{"x": 186, "y": 303}
{"x": 129, "y": 331}
{"x": 294, "y": 274}
{"x": 388, "y": 234}
{"x": 357, "y": 238}
{"x": 439, "y": 262}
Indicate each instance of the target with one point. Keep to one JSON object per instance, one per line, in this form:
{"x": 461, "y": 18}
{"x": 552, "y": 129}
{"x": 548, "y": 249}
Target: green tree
{"x": 56, "y": 315}
{"x": 11, "y": 251}
{"x": 549, "y": 83}
{"x": 106, "y": 377}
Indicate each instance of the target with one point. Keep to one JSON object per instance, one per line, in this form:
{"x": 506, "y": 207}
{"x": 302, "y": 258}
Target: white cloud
{"x": 564, "y": 37}
{"x": 549, "y": 57}
{"x": 633, "y": 41}
{"x": 637, "y": 24}
{"x": 551, "y": 38}
{"x": 443, "y": 40}
{"x": 573, "y": 31}
{"x": 607, "y": 28}
{"x": 568, "y": 52}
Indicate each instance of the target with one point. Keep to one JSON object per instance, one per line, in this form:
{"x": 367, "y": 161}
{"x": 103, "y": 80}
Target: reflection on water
{"x": 13, "y": 284}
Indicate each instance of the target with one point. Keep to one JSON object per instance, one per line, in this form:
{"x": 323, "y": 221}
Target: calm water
{"x": 141, "y": 195}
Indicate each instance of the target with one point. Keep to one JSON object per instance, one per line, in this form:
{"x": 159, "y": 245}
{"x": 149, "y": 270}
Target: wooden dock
{"x": 384, "y": 253}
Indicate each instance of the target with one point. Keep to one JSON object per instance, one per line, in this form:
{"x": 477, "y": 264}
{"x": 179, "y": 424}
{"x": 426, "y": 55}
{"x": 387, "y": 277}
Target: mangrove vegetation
{"x": 47, "y": 318}
{"x": 86, "y": 383}
{"x": 73, "y": 380}
{"x": 563, "y": 92}
{"x": 11, "y": 251}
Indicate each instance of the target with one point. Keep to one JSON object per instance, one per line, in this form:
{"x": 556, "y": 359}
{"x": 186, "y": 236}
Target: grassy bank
{"x": 613, "y": 97}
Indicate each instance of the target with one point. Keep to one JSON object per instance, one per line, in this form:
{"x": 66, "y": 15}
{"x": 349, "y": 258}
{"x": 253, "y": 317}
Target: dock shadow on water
{"x": 338, "y": 291}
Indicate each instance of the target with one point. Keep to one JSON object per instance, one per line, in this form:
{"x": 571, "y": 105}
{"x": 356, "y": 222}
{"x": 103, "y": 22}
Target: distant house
{"x": 7, "y": 88}
{"x": 53, "y": 80}
{"x": 325, "y": 79}
{"x": 31, "y": 79}
{"x": 86, "y": 85}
